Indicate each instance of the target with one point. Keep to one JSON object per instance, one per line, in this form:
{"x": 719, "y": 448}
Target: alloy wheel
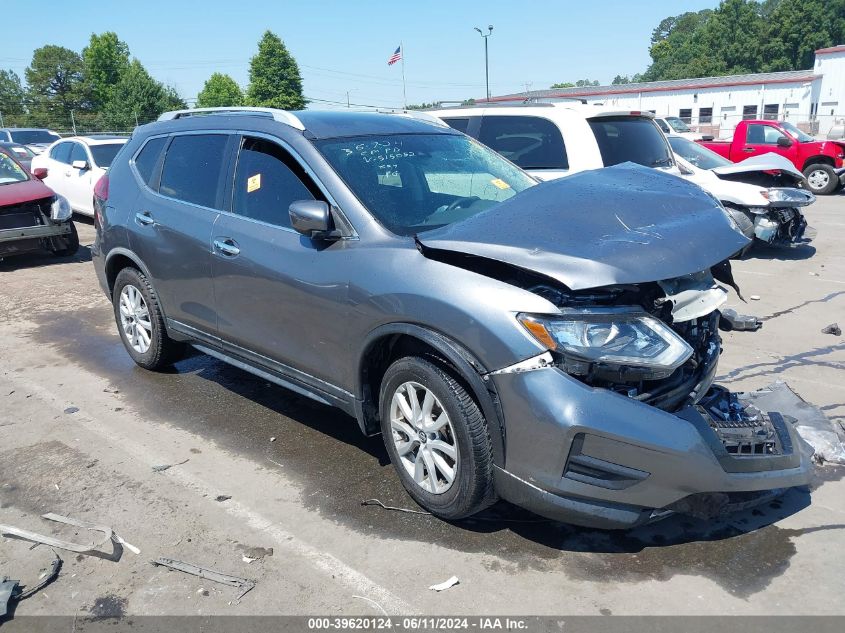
{"x": 135, "y": 319}
{"x": 818, "y": 179}
{"x": 424, "y": 437}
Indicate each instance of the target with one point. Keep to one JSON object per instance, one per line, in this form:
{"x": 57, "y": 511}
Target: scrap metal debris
{"x": 446, "y": 584}
{"x": 11, "y": 589}
{"x": 373, "y": 602}
{"x": 210, "y": 574}
{"x": 222, "y": 498}
{"x": 833, "y": 328}
{"x": 376, "y": 502}
{"x": 71, "y": 410}
{"x": 80, "y": 548}
{"x": 163, "y": 467}
{"x": 730, "y": 320}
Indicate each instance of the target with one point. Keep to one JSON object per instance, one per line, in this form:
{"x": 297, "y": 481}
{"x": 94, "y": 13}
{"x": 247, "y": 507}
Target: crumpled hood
{"x": 762, "y": 162}
{"x": 617, "y": 225}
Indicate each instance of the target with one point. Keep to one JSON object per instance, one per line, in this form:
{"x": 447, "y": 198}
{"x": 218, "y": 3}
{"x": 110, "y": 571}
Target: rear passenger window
{"x": 146, "y": 161}
{"x": 61, "y": 152}
{"x": 267, "y": 180}
{"x": 192, "y": 168}
{"x": 530, "y": 142}
{"x": 460, "y": 125}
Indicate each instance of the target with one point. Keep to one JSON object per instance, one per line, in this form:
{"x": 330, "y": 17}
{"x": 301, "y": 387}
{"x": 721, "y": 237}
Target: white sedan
{"x": 75, "y": 164}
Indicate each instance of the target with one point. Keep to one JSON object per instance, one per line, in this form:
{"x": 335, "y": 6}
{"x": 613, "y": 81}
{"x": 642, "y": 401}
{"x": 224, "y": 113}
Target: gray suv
{"x": 551, "y": 344}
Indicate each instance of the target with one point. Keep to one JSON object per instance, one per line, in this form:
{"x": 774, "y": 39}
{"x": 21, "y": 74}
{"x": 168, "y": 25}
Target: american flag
{"x": 397, "y": 55}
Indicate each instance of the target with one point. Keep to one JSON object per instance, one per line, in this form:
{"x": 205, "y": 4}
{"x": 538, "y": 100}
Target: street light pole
{"x": 486, "y": 58}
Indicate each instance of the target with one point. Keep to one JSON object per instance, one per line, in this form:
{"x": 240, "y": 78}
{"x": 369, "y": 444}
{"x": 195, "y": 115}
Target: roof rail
{"x": 422, "y": 116}
{"x": 282, "y": 116}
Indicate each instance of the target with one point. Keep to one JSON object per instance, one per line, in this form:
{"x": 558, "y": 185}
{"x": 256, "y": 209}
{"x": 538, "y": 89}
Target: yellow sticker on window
{"x": 253, "y": 183}
{"x": 501, "y": 184}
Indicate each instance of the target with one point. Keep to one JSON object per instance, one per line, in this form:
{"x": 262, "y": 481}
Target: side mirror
{"x": 40, "y": 173}
{"x": 784, "y": 142}
{"x": 81, "y": 165}
{"x": 313, "y": 219}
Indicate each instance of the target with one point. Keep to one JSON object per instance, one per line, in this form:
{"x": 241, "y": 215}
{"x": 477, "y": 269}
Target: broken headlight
{"x": 788, "y": 196}
{"x": 60, "y": 209}
{"x": 625, "y": 343}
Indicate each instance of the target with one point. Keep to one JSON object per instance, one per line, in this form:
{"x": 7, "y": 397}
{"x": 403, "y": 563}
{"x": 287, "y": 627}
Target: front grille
{"x": 21, "y": 216}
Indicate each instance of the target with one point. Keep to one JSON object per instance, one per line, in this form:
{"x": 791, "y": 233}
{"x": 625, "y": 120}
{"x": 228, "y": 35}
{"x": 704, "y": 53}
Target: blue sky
{"x": 344, "y": 46}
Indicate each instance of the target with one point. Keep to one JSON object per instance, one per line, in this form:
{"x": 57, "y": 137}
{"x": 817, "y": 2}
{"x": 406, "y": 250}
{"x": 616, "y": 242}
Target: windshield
{"x": 677, "y": 124}
{"x": 104, "y": 154}
{"x": 633, "y": 139}
{"x": 802, "y": 138}
{"x": 696, "y": 154}
{"x": 417, "y": 182}
{"x": 30, "y": 137}
{"x": 10, "y": 171}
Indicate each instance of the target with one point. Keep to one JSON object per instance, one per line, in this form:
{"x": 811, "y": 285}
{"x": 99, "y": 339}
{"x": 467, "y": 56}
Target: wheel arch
{"x": 117, "y": 260}
{"x": 389, "y": 342}
{"x": 818, "y": 159}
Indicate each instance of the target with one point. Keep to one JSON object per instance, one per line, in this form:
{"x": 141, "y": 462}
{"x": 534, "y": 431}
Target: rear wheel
{"x": 821, "y": 179}
{"x": 437, "y": 438}
{"x": 140, "y": 322}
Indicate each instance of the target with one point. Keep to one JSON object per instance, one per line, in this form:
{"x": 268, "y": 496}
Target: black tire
{"x": 472, "y": 488}
{"x": 71, "y": 243}
{"x": 832, "y": 179}
{"x": 163, "y": 351}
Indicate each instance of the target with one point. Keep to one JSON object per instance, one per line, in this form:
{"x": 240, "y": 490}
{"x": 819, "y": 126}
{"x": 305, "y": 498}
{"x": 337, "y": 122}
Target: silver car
{"x": 550, "y": 344}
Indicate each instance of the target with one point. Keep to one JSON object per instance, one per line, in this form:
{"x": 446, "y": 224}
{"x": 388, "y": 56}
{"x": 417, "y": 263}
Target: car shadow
{"x": 782, "y": 253}
{"x": 36, "y": 259}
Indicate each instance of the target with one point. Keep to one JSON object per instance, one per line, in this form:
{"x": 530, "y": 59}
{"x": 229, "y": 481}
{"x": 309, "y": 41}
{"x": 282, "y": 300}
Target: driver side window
{"x": 267, "y": 181}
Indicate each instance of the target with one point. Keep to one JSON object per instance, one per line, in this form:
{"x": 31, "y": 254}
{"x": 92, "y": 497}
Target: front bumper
{"x": 596, "y": 458}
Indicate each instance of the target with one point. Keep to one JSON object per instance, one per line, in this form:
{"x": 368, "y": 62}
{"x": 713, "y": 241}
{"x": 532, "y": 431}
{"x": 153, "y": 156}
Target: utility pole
{"x": 486, "y": 57}
{"x": 73, "y": 122}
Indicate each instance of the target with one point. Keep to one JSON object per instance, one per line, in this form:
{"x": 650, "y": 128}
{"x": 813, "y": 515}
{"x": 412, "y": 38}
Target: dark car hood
{"x": 26, "y": 191}
{"x": 617, "y": 225}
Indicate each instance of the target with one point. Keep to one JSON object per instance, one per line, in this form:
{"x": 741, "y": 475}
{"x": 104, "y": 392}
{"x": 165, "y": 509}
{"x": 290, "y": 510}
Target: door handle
{"x": 747, "y": 149}
{"x": 144, "y": 217}
{"x": 227, "y": 246}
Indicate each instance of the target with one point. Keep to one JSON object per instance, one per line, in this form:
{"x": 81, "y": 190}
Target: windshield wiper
{"x": 662, "y": 162}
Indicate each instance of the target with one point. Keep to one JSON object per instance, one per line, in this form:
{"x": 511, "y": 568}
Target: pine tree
{"x": 274, "y": 79}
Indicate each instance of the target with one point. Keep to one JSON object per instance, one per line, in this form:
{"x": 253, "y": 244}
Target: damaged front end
{"x": 655, "y": 344}
{"x": 781, "y": 222}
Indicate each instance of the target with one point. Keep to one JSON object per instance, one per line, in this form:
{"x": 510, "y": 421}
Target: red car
{"x": 821, "y": 162}
{"x": 32, "y": 217}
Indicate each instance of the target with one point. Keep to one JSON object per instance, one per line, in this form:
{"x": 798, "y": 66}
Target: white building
{"x": 813, "y": 99}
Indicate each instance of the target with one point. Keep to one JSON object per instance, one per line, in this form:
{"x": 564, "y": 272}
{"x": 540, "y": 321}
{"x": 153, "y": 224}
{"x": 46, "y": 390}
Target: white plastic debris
{"x": 446, "y": 584}
{"x": 755, "y": 297}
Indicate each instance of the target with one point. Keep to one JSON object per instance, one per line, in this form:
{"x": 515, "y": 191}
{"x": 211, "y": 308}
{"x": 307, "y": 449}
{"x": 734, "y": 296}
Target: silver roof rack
{"x": 282, "y": 116}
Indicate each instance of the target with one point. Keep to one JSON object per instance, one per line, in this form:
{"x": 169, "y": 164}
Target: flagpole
{"x": 404, "y": 94}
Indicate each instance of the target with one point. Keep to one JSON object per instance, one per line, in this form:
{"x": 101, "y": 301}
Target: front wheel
{"x": 821, "y": 179}
{"x": 437, "y": 438}
{"x": 70, "y": 243}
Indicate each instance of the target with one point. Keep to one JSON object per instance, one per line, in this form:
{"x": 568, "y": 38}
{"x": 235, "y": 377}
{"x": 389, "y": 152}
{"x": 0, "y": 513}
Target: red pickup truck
{"x": 821, "y": 162}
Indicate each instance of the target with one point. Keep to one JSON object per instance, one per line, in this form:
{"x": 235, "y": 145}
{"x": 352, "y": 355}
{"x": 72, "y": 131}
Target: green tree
{"x": 677, "y": 48}
{"x": 620, "y": 79}
{"x": 138, "y": 97}
{"x": 797, "y": 28}
{"x": 220, "y": 91}
{"x": 562, "y": 85}
{"x": 586, "y": 82}
{"x": 11, "y": 93}
{"x": 274, "y": 79}
{"x": 56, "y": 84}
{"x": 106, "y": 60}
